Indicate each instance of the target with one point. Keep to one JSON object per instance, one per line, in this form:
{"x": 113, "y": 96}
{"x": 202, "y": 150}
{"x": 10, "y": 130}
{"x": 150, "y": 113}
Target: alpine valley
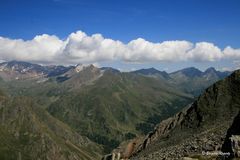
{"x": 85, "y": 112}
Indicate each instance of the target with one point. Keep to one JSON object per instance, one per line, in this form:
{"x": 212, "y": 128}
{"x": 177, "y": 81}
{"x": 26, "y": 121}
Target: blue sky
{"x": 156, "y": 21}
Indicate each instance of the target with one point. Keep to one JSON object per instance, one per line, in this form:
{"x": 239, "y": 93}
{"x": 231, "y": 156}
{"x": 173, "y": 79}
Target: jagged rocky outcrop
{"x": 200, "y": 128}
{"x": 163, "y": 129}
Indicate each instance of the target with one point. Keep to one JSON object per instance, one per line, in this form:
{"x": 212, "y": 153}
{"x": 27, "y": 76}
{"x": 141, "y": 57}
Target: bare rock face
{"x": 162, "y": 129}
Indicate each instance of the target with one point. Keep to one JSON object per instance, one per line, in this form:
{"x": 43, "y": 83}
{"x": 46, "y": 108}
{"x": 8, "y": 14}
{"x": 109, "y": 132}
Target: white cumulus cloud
{"x": 204, "y": 51}
{"x": 41, "y": 48}
{"x": 79, "y": 47}
{"x": 142, "y": 50}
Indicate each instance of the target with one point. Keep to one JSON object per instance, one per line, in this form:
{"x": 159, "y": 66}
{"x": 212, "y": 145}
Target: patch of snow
{"x": 79, "y": 68}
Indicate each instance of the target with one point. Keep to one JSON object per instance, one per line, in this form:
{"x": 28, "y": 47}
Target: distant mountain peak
{"x": 16, "y": 63}
{"x": 213, "y": 72}
{"x": 152, "y": 72}
{"x": 80, "y": 67}
{"x": 15, "y": 69}
{"x": 210, "y": 69}
{"x": 110, "y": 69}
{"x": 21, "y": 67}
{"x": 148, "y": 70}
{"x": 188, "y": 69}
{"x": 190, "y": 72}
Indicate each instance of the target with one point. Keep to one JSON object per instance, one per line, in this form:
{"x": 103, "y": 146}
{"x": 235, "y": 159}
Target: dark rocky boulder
{"x": 232, "y": 140}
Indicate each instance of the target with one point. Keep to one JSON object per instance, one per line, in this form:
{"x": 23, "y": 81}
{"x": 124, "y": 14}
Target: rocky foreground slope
{"x": 201, "y": 130}
{"x": 202, "y": 127}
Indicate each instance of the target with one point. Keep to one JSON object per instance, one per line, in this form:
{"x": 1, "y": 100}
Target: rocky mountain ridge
{"x": 21, "y": 67}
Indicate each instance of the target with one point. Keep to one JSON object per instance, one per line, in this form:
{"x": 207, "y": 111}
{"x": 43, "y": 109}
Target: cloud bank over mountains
{"x": 79, "y": 47}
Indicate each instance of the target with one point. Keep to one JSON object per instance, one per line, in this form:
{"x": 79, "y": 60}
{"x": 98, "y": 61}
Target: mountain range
{"x": 85, "y": 111}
